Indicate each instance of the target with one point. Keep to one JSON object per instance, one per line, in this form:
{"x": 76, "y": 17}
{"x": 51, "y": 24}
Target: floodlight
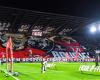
{"x": 93, "y": 29}
{"x": 99, "y": 27}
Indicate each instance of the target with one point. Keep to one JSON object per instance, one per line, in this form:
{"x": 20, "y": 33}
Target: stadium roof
{"x": 24, "y": 21}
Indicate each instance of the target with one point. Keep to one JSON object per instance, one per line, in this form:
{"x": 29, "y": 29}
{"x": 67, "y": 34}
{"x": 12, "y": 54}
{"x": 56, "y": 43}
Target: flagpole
{"x": 9, "y": 46}
{"x": 11, "y": 50}
{"x": 7, "y": 59}
{"x": 11, "y": 63}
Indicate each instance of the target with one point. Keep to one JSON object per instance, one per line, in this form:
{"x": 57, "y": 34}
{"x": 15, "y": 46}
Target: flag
{"x": 76, "y": 50}
{"x": 76, "y": 53}
{"x": 67, "y": 56}
{"x": 9, "y": 46}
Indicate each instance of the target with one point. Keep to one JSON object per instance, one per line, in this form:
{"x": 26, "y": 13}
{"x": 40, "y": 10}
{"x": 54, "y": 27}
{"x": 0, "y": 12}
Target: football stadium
{"x": 46, "y": 46}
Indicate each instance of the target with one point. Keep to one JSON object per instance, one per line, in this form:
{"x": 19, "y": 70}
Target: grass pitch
{"x": 62, "y": 71}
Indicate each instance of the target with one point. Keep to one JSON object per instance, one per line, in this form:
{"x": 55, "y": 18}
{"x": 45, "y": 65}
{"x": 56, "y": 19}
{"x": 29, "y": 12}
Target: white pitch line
{"x": 10, "y": 74}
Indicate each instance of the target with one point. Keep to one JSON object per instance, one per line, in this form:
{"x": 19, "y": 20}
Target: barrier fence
{"x": 49, "y": 59}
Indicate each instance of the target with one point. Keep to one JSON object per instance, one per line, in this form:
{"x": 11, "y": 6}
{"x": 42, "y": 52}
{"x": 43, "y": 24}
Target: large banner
{"x": 41, "y": 46}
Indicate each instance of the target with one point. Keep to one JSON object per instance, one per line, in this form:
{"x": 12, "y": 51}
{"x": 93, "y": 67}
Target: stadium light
{"x": 99, "y": 27}
{"x": 93, "y": 29}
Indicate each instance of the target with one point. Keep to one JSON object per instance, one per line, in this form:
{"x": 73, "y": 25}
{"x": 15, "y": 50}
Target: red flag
{"x": 76, "y": 50}
{"x": 77, "y": 53}
{"x": 67, "y": 56}
{"x": 9, "y": 46}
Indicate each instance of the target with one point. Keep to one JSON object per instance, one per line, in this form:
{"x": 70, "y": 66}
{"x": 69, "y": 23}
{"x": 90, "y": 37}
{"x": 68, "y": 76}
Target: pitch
{"x": 61, "y": 71}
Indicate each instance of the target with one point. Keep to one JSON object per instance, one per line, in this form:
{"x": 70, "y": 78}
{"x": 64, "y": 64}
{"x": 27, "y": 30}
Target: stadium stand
{"x": 38, "y": 33}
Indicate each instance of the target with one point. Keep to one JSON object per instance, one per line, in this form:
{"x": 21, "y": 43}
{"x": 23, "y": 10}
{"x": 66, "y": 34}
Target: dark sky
{"x": 81, "y": 8}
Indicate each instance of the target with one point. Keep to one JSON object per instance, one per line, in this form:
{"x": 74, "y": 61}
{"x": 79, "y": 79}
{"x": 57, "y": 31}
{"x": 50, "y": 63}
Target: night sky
{"x": 82, "y": 8}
